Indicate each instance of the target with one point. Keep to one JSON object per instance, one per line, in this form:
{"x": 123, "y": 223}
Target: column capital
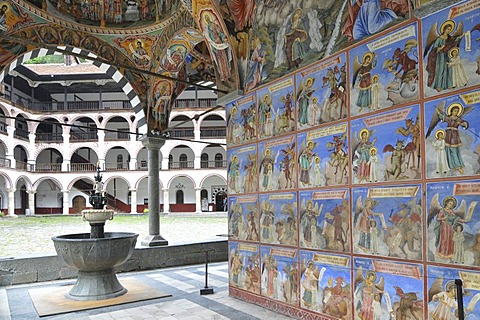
{"x": 31, "y": 191}
{"x": 152, "y": 143}
{"x": 133, "y": 189}
{"x": 65, "y": 191}
{"x": 11, "y": 189}
{"x": 198, "y": 188}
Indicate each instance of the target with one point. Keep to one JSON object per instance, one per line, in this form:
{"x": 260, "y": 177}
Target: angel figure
{"x": 361, "y": 157}
{"x": 252, "y": 232}
{"x": 266, "y": 170}
{"x": 364, "y": 212}
{"x": 236, "y": 267}
{"x": 237, "y": 223}
{"x": 267, "y": 219}
{"x": 304, "y": 95}
{"x": 444, "y": 300}
{"x": 288, "y": 166}
{"x": 452, "y": 116}
{"x": 308, "y": 222}
{"x": 437, "y": 48}
{"x": 305, "y": 160}
{"x": 310, "y": 281}
{"x": 233, "y": 173}
{"x": 362, "y": 75}
{"x": 446, "y": 217}
{"x": 265, "y": 109}
{"x": 369, "y": 293}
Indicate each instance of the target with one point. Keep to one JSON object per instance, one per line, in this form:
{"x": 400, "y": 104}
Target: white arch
{"x": 107, "y": 181}
{"x": 28, "y": 183}
{"x": 37, "y": 183}
{"x": 8, "y": 181}
{"x": 210, "y": 176}
{"x": 70, "y": 185}
{"x": 180, "y": 176}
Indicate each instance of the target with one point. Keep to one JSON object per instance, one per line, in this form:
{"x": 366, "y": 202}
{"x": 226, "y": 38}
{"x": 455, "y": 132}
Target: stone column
{"x": 198, "y": 200}
{"x": 66, "y": 145}
{"x": 133, "y": 201}
{"x": 31, "y": 201}
{"x": 154, "y": 238}
{"x": 11, "y": 203}
{"x": 11, "y": 146}
{"x": 166, "y": 200}
{"x": 66, "y": 202}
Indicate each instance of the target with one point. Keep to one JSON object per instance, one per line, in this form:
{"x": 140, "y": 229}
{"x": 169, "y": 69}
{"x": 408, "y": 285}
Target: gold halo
{"x": 309, "y": 80}
{"x": 438, "y": 132}
{"x": 450, "y": 52}
{"x": 373, "y": 149}
{"x": 268, "y": 150}
{"x": 317, "y": 158}
{"x": 453, "y": 105}
{"x": 375, "y": 77}
{"x": 447, "y": 198}
{"x": 234, "y": 109}
{"x": 362, "y": 131}
{"x": 209, "y": 16}
{"x": 450, "y": 23}
{"x": 367, "y": 54}
{"x": 266, "y": 96}
{"x": 370, "y": 272}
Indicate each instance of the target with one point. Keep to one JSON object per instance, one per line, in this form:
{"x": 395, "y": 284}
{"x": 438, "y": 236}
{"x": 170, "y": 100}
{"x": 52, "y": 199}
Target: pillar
{"x": 133, "y": 201}
{"x": 153, "y": 145}
{"x": 198, "y": 200}
{"x": 11, "y": 203}
{"x": 166, "y": 200}
{"x": 31, "y": 201}
{"x": 66, "y": 202}
{"x": 66, "y": 146}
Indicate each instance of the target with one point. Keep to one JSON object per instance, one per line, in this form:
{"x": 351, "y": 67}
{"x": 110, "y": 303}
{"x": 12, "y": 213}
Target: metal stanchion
{"x": 206, "y": 290}
{"x": 461, "y": 313}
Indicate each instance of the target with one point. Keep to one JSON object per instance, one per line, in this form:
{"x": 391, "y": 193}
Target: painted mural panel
{"x": 386, "y": 146}
{"x": 243, "y": 218}
{"x": 387, "y": 221}
{"x": 278, "y": 218}
{"x": 442, "y": 302}
{"x": 453, "y": 230}
{"x": 323, "y": 157}
{"x": 244, "y": 266}
{"x": 385, "y": 71}
{"x": 451, "y": 49}
{"x": 280, "y": 274}
{"x": 276, "y": 114}
{"x": 241, "y": 121}
{"x": 451, "y": 139}
{"x": 326, "y": 284}
{"x": 277, "y": 164}
{"x": 384, "y": 288}
{"x": 325, "y": 220}
{"x": 242, "y": 170}
{"x": 322, "y": 93}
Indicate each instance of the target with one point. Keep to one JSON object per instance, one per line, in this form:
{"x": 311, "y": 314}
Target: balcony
{"x": 82, "y": 167}
{"x": 181, "y": 133}
{"x": 49, "y": 137}
{"x": 115, "y": 136}
{"x": 181, "y": 165}
{"x": 213, "y": 164}
{"x": 4, "y": 163}
{"x": 21, "y": 134}
{"x": 83, "y": 136}
{"x": 47, "y": 167}
{"x": 213, "y": 132}
{"x": 116, "y": 166}
{"x": 79, "y": 105}
{"x": 195, "y": 103}
{"x": 3, "y": 127}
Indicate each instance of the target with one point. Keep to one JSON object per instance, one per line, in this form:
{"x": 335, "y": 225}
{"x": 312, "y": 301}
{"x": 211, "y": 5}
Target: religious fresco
{"x": 451, "y": 49}
{"x": 322, "y": 93}
{"x": 451, "y": 139}
{"x": 12, "y": 17}
{"x": 279, "y": 279}
{"x": 160, "y": 106}
{"x": 242, "y": 169}
{"x": 386, "y": 146}
{"x": 278, "y": 219}
{"x": 325, "y": 219}
{"x": 453, "y": 230}
{"x": 442, "y": 293}
{"x": 325, "y": 284}
{"x": 384, "y": 288}
{"x": 241, "y": 120}
{"x": 139, "y": 49}
{"x": 112, "y": 13}
{"x": 323, "y": 157}
{"x": 387, "y": 221}
{"x": 277, "y": 168}
{"x": 275, "y": 109}
{"x": 244, "y": 266}
{"x": 243, "y": 218}
{"x": 385, "y": 71}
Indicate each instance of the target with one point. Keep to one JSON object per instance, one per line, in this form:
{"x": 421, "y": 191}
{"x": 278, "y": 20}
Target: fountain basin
{"x": 95, "y": 260}
{"x": 97, "y": 215}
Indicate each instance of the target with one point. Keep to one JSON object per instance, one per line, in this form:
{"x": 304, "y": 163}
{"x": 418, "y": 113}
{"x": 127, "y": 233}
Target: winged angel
{"x": 306, "y": 157}
{"x": 441, "y": 50}
{"x": 368, "y": 294}
{"x": 453, "y": 117}
{"x": 449, "y": 219}
{"x": 267, "y": 219}
{"x": 444, "y": 300}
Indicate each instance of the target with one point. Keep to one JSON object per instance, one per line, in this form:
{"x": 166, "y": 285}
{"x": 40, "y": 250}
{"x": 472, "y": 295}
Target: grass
{"x": 32, "y": 235}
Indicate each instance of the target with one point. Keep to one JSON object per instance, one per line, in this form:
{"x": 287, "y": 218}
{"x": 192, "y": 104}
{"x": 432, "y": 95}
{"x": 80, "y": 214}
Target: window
{"x": 204, "y": 160}
{"x": 170, "y": 161}
{"x": 120, "y": 161}
{"x": 218, "y": 160}
{"x": 179, "y": 196}
{"x": 183, "y": 161}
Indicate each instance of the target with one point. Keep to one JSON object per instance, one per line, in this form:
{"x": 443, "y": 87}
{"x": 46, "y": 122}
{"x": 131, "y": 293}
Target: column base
{"x": 13, "y": 215}
{"x": 154, "y": 241}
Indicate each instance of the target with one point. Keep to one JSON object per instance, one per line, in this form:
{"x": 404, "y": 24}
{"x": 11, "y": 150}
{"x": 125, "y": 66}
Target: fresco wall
{"x": 353, "y": 179}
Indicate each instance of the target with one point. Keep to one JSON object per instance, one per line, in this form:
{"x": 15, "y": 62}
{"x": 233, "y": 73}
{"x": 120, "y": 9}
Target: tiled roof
{"x": 45, "y": 69}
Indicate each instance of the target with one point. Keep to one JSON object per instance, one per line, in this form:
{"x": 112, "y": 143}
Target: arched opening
{"x": 79, "y": 204}
{"x": 183, "y": 161}
{"x": 170, "y": 161}
{"x": 219, "y": 161}
{"x": 204, "y": 160}
{"x": 221, "y": 201}
{"x": 204, "y": 199}
{"x": 179, "y": 197}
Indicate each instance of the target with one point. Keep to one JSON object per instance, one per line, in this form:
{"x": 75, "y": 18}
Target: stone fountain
{"x": 95, "y": 254}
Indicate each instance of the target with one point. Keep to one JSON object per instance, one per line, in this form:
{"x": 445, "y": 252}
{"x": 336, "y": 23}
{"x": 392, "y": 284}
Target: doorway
{"x": 79, "y": 204}
{"x": 221, "y": 201}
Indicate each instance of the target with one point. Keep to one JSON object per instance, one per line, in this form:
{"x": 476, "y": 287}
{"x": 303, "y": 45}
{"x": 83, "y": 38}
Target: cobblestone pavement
{"x": 32, "y": 235}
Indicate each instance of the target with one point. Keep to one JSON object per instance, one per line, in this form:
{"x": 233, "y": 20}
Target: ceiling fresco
{"x": 237, "y": 44}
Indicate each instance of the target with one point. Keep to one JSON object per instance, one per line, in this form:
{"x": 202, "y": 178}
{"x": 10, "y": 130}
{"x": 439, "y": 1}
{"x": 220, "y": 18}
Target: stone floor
{"x": 186, "y": 303}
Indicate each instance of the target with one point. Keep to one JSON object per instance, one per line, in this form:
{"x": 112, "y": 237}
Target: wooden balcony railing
{"x": 79, "y": 105}
{"x": 181, "y": 165}
{"x": 48, "y": 137}
{"x": 213, "y": 132}
{"x": 116, "y": 166}
{"x": 213, "y": 164}
{"x": 83, "y": 136}
{"x": 47, "y": 167}
{"x": 82, "y": 167}
{"x": 5, "y": 163}
{"x": 198, "y": 103}
{"x": 181, "y": 133}
{"x": 113, "y": 136}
